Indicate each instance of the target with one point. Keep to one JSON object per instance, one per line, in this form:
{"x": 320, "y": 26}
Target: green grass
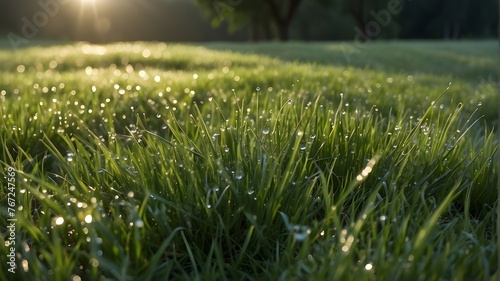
{"x": 147, "y": 161}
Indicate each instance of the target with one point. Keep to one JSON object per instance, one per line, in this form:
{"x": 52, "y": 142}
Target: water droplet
{"x": 313, "y": 136}
{"x": 239, "y": 175}
{"x": 139, "y": 223}
{"x": 303, "y": 146}
{"x": 59, "y": 220}
{"x": 88, "y": 218}
{"x": 226, "y": 149}
{"x": 301, "y": 232}
{"x": 257, "y": 89}
{"x": 250, "y": 192}
{"x": 265, "y": 131}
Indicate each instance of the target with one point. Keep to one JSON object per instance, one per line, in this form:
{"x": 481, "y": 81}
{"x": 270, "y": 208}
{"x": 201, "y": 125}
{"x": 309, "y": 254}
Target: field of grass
{"x": 154, "y": 161}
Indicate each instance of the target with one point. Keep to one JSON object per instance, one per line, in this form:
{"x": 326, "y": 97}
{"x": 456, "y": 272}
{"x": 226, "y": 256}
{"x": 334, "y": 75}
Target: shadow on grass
{"x": 469, "y": 60}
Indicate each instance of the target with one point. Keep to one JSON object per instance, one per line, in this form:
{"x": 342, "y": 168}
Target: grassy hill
{"x": 321, "y": 161}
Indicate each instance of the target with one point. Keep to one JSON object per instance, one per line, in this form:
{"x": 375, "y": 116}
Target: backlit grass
{"x": 148, "y": 161}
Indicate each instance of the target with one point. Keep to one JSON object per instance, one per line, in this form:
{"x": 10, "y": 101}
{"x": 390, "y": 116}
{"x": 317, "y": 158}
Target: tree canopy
{"x": 448, "y": 19}
{"x": 189, "y": 20}
{"x": 258, "y": 14}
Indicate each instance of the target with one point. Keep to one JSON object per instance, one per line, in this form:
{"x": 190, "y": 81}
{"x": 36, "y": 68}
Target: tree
{"x": 282, "y": 15}
{"x": 258, "y": 14}
{"x": 360, "y": 10}
{"x": 449, "y": 19}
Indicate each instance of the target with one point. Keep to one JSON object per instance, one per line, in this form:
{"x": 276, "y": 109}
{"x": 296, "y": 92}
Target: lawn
{"x": 270, "y": 161}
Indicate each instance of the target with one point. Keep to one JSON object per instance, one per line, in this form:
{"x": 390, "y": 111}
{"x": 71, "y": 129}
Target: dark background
{"x": 243, "y": 20}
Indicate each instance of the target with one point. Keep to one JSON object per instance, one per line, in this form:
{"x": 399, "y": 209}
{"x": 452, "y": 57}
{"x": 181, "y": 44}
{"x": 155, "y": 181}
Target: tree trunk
{"x": 446, "y": 31}
{"x": 304, "y": 31}
{"x": 254, "y": 31}
{"x": 268, "y": 33}
{"x": 359, "y": 17}
{"x": 282, "y": 28}
{"x": 456, "y": 30}
{"x": 283, "y": 21}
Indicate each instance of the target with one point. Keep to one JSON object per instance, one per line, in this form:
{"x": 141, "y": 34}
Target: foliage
{"x": 257, "y": 14}
{"x": 449, "y": 19}
{"x": 254, "y": 20}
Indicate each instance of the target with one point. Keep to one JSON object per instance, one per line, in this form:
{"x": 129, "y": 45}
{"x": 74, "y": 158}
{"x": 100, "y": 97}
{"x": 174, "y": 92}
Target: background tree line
{"x": 200, "y": 20}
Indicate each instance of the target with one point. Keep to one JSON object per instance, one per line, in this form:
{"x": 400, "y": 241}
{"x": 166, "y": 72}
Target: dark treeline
{"x": 202, "y": 20}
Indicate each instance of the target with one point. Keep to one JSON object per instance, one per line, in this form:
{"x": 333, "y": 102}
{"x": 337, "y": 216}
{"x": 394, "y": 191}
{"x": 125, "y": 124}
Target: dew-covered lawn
{"x": 141, "y": 161}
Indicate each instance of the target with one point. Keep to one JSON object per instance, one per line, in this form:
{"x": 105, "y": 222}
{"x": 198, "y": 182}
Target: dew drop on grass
{"x": 313, "y": 136}
{"x": 257, "y": 89}
{"x": 239, "y": 175}
{"x": 139, "y": 223}
{"x": 302, "y": 147}
{"x": 265, "y": 131}
{"x": 301, "y": 232}
{"x": 59, "y": 220}
{"x": 226, "y": 149}
{"x": 88, "y": 218}
{"x": 69, "y": 156}
{"x": 250, "y": 192}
